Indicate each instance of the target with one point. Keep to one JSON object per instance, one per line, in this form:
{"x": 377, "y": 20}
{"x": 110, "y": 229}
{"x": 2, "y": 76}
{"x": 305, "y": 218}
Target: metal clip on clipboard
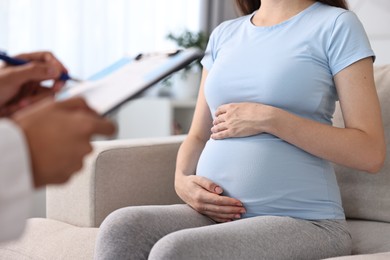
{"x": 151, "y": 54}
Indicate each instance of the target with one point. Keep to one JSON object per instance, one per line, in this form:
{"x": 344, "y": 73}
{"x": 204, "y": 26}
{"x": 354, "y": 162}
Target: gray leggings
{"x": 179, "y": 232}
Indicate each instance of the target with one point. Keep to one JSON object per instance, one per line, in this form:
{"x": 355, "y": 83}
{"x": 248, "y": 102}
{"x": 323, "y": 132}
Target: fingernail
{"x": 238, "y": 216}
{"x": 218, "y": 190}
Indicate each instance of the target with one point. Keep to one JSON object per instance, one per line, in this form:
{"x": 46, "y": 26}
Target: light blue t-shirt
{"x": 290, "y": 66}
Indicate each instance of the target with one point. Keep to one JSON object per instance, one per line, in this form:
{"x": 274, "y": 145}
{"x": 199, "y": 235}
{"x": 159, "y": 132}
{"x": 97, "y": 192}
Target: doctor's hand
{"x": 205, "y": 197}
{"x": 58, "y": 135}
{"x": 20, "y": 86}
{"x": 241, "y": 120}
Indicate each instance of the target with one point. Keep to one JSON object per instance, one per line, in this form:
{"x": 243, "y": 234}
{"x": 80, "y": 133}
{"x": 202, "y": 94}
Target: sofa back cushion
{"x": 367, "y": 196}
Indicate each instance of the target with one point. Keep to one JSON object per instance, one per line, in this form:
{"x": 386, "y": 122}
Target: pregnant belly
{"x": 268, "y": 175}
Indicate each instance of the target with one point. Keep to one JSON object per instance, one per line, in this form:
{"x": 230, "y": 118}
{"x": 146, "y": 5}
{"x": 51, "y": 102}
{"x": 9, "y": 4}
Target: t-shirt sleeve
{"x": 349, "y": 43}
{"x": 211, "y": 50}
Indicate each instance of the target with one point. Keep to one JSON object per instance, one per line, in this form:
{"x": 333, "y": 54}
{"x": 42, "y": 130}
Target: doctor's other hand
{"x": 58, "y": 135}
{"x": 206, "y": 197}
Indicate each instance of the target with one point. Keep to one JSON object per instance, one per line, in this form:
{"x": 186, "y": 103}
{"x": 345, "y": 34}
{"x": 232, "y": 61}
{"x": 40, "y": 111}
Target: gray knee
{"x": 120, "y": 224}
{"x": 120, "y": 235}
{"x": 177, "y": 245}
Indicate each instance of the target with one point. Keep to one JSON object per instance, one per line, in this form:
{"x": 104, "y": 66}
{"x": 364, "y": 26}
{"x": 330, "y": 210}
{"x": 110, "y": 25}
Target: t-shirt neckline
{"x": 271, "y": 27}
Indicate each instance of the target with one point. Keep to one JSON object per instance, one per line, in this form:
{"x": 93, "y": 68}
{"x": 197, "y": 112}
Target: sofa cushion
{"x": 367, "y": 196}
{"x": 380, "y": 256}
{"x": 369, "y": 237}
{"x": 46, "y": 239}
{"x": 113, "y": 168}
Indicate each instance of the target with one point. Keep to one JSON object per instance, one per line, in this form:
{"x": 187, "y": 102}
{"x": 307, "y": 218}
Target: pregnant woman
{"x": 256, "y": 169}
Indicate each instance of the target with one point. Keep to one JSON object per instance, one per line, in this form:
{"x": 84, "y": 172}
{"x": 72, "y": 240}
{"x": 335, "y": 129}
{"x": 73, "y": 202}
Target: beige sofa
{"x": 140, "y": 172}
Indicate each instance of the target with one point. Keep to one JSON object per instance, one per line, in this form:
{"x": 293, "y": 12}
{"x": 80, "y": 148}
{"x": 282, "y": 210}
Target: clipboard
{"x": 126, "y": 79}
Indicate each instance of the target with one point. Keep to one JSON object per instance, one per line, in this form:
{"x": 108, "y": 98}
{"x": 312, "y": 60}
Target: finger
{"x": 207, "y": 198}
{"x": 222, "y": 216}
{"x": 29, "y": 89}
{"x": 41, "y": 90}
{"x": 78, "y": 103}
{"x": 209, "y": 185}
{"x": 20, "y": 75}
{"x": 49, "y": 57}
{"x": 219, "y": 119}
{"x": 220, "y": 110}
{"x": 46, "y": 58}
{"x": 72, "y": 168}
{"x": 102, "y": 126}
{"x": 94, "y": 123}
{"x": 226, "y": 201}
{"x": 85, "y": 149}
{"x": 42, "y": 99}
{"x": 74, "y": 103}
{"x": 58, "y": 85}
{"x": 43, "y": 56}
{"x": 220, "y": 135}
{"x": 36, "y": 98}
{"x": 219, "y": 127}
{"x": 227, "y": 210}
{"x": 32, "y": 72}
{"x": 28, "y": 99}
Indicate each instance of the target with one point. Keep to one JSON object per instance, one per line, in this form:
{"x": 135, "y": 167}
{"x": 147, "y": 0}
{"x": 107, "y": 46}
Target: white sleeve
{"x": 16, "y": 186}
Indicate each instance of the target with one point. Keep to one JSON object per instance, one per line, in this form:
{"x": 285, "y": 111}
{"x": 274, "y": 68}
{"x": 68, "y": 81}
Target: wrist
{"x": 272, "y": 119}
{"x": 178, "y": 176}
{"x": 178, "y": 183}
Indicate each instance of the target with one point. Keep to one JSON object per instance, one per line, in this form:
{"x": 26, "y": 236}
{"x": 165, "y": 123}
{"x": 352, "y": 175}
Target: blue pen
{"x": 17, "y": 62}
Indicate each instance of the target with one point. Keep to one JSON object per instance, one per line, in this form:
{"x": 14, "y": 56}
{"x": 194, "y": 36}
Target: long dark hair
{"x": 249, "y": 6}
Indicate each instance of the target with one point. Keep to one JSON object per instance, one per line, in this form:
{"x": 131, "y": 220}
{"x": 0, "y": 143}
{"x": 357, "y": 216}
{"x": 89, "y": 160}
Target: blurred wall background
{"x": 375, "y": 16}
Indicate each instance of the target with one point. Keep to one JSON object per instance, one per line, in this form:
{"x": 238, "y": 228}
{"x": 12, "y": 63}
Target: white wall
{"x": 375, "y": 16}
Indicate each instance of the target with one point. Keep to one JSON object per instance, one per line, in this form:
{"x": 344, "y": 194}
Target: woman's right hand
{"x": 205, "y": 197}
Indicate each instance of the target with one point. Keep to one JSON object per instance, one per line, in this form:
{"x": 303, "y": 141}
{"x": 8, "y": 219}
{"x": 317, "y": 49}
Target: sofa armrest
{"x": 117, "y": 174}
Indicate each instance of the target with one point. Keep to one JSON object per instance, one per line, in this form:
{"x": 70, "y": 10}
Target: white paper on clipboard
{"x": 128, "y": 78}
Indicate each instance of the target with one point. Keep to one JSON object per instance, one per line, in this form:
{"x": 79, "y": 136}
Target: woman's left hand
{"x": 240, "y": 120}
